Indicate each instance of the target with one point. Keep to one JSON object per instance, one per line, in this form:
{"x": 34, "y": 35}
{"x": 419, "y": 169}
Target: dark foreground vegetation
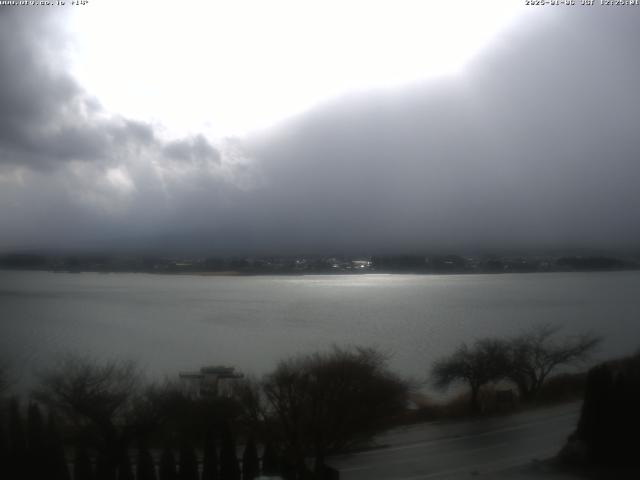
{"x": 607, "y": 432}
{"x": 117, "y": 424}
{"x": 88, "y": 419}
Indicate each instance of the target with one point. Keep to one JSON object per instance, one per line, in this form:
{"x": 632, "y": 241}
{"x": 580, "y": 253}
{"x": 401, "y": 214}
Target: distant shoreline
{"x": 321, "y": 265}
{"x": 238, "y": 273}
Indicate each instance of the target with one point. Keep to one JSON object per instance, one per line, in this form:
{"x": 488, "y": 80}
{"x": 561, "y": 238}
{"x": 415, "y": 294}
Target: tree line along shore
{"x": 314, "y": 264}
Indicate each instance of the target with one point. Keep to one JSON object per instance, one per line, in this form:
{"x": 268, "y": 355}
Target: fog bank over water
{"x": 533, "y": 144}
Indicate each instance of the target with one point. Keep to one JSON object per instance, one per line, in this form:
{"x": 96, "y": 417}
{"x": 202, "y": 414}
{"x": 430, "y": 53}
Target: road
{"x": 449, "y": 450}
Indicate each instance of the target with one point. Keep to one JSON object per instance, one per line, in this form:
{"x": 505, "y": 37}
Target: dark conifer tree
{"x": 125, "y": 471}
{"x": 288, "y": 469}
{"x": 36, "y": 444}
{"x": 56, "y": 459}
{"x": 229, "y": 467}
{"x": 210, "y": 459}
{"x": 17, "y": 443}
{"x": 4, "y": 445}
{"x": 104, "y": 468}
{"x": 82, "y": 469}
{"x": 145, "y": 468}
{"x": 188, "y": 463}
{"x": 168, "y": 466}
{"x": 270, "y": 461}
{"x": 250, "y": 463}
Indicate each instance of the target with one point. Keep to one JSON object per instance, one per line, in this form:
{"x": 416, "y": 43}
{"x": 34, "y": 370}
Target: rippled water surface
{"x": 175, "y": 322}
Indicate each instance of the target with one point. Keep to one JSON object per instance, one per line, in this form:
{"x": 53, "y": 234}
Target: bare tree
{"x": 326, "y": 402}
{"x": 99, "y": 396}
{"x": 85, "y": 390}
{"x": 483, "y": 362}
{"x": 252, "y": 405}
{"x": 536, "y": 353}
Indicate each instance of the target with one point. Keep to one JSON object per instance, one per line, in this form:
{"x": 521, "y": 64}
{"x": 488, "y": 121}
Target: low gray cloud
{"x": 195, "y": 149}
{"x": 534, "y": 145}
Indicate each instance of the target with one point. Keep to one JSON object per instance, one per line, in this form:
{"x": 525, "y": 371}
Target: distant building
{"x": 361, "y": 264}
{"x": 210, "y": 381}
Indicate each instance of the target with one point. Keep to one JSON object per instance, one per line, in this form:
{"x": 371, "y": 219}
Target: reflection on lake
{"x": 170, "y": 323}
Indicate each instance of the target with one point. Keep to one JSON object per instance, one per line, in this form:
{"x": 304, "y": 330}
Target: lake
{"x": 179, "y": 322}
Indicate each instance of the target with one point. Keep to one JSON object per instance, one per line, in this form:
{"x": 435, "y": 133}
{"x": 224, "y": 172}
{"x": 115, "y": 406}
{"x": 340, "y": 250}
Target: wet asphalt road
{"x": 463, "y": 449}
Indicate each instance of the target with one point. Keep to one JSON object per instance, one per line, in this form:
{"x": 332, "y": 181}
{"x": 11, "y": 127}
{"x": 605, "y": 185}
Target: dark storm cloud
{"x": 45, "y": 116}
{"x": 534, "y": 145}
{"x": 31, "y": 94}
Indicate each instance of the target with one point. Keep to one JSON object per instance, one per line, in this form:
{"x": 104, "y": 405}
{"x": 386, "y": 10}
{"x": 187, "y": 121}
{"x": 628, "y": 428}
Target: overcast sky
{"x": 513, "y": 128}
